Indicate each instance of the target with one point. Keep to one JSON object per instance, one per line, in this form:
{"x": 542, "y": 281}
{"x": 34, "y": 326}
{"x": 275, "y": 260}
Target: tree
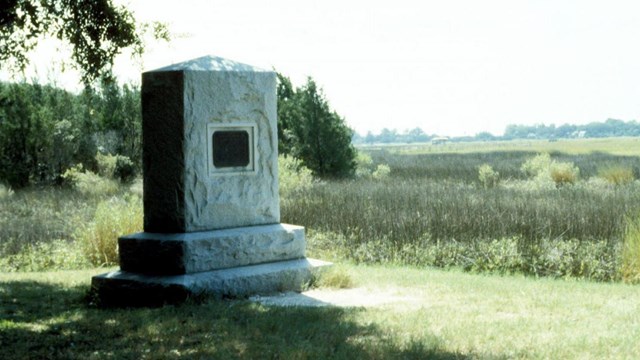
{"x": 312, "y": 132}
{"x": 97, "y": 31}
{"x": 288, "y": 113}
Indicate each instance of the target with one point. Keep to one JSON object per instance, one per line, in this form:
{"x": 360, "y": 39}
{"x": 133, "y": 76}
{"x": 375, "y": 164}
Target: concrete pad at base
{"x": 187, "y": 253}
{"x": 121, "y": 288}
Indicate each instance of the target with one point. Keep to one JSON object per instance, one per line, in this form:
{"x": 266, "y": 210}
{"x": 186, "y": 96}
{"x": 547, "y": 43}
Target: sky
{"x": 452, "y": 68}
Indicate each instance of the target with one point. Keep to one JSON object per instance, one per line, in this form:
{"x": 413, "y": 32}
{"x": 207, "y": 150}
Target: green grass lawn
{"x": 448, "y": 314}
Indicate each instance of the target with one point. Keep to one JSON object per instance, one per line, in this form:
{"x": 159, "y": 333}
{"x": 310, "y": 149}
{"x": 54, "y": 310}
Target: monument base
{"x": 121, "y": 288}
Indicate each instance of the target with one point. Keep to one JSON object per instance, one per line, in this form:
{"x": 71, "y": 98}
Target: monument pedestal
{"x": 158, "y": 268}
{"x": 122, "y": 288}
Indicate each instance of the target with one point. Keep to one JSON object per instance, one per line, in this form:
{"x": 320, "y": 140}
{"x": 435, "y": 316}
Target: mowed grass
{"x": 444, "y": 315}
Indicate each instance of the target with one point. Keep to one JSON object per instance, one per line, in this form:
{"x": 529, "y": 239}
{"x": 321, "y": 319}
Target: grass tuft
{"x": 336, "y": 277}
{"x": 113, "y": 218}
{"x": 5, "y": 192}
{"x": 631, "y": 252}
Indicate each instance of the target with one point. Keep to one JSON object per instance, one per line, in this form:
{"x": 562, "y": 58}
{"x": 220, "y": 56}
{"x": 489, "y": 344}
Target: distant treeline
{"x": 608, "y": 128}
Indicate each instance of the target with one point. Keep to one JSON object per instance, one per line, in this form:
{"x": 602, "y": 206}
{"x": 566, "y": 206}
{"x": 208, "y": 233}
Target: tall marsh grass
{"x": 402, "y": 211}
{"x": 440, "y": 210}
{"x": 475, "y": 210}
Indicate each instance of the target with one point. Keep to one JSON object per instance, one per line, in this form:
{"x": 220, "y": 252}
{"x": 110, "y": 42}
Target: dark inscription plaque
{"x": 231, "y": 148}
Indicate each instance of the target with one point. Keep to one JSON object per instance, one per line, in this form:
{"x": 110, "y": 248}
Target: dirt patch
{"x": 358, "y": 297}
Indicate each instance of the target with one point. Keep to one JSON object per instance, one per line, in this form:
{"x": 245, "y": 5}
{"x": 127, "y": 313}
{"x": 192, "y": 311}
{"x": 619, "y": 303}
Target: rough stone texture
{"x": 178, "y": 103}
{"x": 121, "y": 288}
{"x": 186, "y": 253}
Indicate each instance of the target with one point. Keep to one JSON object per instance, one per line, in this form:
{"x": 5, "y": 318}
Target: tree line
{"x": 45, "y": 130}
{"x": 608, "y": 128}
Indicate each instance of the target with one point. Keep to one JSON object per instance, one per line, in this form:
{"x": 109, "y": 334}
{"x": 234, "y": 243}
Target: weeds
{"x": 293, "y": 176}
{"x": 56, "y": 254}
{"x": 5, "y": 192}
{"x": 336, "y": 277}
{"x": 631, "y": 252}
{"x": 594, "y": 260}
{"x": 90, "y": 183}
{"x": 487, "y": 176}
{"x": 113, "y": 218}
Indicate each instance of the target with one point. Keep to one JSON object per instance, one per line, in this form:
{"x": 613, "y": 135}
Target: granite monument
{"x": 211, "y": 204}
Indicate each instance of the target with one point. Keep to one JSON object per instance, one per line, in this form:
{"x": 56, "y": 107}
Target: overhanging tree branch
{"x": 97, "y": 30}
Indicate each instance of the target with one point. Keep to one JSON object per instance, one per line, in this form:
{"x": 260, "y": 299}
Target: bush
{"x": 537, "y": 165}
{"x": 364, "y": 167}
{"x": 364, "y": 163}
{"x": 117, "y": 167}
{"x": 543, "y": 169}
{"x": 113, "y": 218}
{"x": 89, "y": 183}
{"x": 5, "y": 192}
{"x": 487, "y": 176}
{"x": 563, "y": 173}
{"x": 382, "y": 171}
{"x": 617, "y": 175}
{"x": 292, "y": 175}
{"x": 106, "y": 165}
{"x": 125, "y": 170}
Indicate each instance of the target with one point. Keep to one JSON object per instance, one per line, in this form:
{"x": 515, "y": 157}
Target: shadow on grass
{"x": 40, "y": 320}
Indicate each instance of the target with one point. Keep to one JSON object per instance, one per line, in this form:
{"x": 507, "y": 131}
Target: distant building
{"x": 439, "y": 140}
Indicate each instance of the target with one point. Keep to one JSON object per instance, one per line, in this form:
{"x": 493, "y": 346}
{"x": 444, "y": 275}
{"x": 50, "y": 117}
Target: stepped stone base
{"x": 186, "y": 253}
{"x": 121, "y": 288}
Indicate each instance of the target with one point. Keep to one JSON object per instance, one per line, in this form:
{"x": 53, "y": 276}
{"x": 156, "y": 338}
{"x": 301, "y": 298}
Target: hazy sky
{"x": 454, "y": 67}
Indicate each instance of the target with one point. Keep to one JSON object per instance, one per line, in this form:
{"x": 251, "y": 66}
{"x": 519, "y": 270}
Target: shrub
{"x": 537, "y": 165}
{"x": 364, "y": 164}
{"x": 5, "y": 192}
{"x": 563, "y": 173}
{"x": 617, "y": 175}
{"x": 125, "y": 170}
{"x": 382, "y": 172}
{"x": 543, "y": 169}
{"x": 487, "y": 176}
{"x": 113, "y": 218}
{"x": 293, "y": 176}
{"x": 364, "y": 167}
{"x": 89, "y": 183}
{"x": 117, "y": 167}
{"x": 106, "y": 164}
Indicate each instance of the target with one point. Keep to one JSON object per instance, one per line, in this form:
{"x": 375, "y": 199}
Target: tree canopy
{"x": 97, "y": 31}
{"x": 309, "y": 130}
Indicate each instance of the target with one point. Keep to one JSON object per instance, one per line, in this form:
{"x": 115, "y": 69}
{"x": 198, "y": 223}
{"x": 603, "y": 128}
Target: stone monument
{"x": 211, "y": 204}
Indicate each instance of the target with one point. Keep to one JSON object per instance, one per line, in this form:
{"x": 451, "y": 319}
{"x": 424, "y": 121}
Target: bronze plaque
{"x": 231, "y": 148}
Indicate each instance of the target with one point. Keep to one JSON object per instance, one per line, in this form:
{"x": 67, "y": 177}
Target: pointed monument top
{"x": 210, "y": 63}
